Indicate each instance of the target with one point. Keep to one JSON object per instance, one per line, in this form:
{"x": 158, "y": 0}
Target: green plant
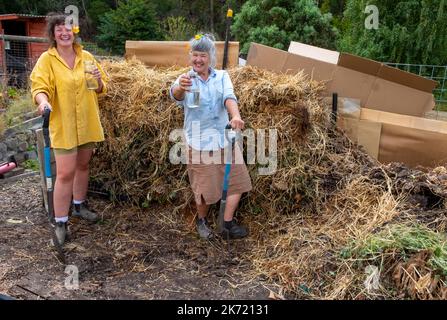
{"x": 403, "y": 239}
{"x": 132, "y": 20}
{"x": 31, "y": 148}
{"x": 2, "y": 125}
{"x": 275, "y": 23}
{"x": 410, "y": 31}
{"x": 177, "y": 29}
{"x": 19, "y": 106}
{"x": 441, "y": 107}
{"x": 12, "y": 92}
{"x": 31, "y": 164}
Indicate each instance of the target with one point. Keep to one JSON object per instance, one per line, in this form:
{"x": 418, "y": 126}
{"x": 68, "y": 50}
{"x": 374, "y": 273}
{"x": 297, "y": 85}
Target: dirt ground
{"x": 130, "y": 254}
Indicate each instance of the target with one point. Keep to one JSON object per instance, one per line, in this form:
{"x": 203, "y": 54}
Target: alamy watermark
{"x": 72, "y": 280}
{"x": 372, "y": 281}
{"x": 256, "y": 144}
{"x": 72, "y": 18}
{"x": 372, "y": 21}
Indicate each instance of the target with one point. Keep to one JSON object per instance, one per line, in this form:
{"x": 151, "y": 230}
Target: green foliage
{"x": 277, "y": 22}
{"x": 336, "y": 8}
{"x": 31, "y": 164}
{"x": 2, "y": 125}
{"x": 177, "y": 29}
{"x": 132, "y": 20}
{"x": 403, "y": 239}
{"x": 409, "y": 31}
{"x": 96, "y": 9}
{"x": 12, "y": 92}
{"x": 18, "y": 107}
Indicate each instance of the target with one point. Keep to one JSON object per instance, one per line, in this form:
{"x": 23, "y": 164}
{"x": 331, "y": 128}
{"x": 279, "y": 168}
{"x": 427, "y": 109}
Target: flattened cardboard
{"x": 411, "y": 140}
{"x": 314, "y": 53}
{"x": 359, "y": 64}
{"x": 169, "y": 53}
{"x": 316, "y": 70}
{"x": 350, "y": 83}
{"x": 369, "y": 133}
{"x": 412, "y": 146}
{"x": 393, "y": 97}
{"x": 382, "y": 87}
{"x": 405, "y": 121}
{"x": 280, "y": 61}
{"x": 407, "y": 79}
{"x": 266, "y": 57}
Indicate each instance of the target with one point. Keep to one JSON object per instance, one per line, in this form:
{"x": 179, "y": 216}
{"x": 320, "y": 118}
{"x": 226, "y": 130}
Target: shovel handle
{"x": 228, "y": 127}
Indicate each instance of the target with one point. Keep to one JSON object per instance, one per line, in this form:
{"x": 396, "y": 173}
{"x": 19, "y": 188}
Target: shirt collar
{"x": 77, "y": 48}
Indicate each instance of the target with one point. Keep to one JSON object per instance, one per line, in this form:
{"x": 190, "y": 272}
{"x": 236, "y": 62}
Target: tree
{"x": 411, "y": 31}
{"x": 277, "y": 22}
{"x": 96, "y": 9}
{"x": 132, "y": 20}
{"x": 177, "y": 29}
{"x": 336, "y": 8}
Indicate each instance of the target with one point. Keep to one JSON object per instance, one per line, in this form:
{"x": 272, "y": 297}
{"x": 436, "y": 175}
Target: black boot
{"x": 234, "y": 231}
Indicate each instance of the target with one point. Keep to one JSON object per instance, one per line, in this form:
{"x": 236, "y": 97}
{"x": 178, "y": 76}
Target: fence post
{"x": 5, "y": 71}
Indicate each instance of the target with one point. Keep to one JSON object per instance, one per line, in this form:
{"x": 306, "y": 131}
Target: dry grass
{"x": 325, "y": 195}
{"x": 2, "y": 125}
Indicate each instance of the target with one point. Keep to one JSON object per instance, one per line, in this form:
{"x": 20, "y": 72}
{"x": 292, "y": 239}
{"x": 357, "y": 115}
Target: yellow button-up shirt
{"x": 75, "y": 117}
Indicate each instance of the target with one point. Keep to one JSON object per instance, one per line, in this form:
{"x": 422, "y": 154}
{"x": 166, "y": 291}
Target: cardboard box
{"x": 170, "y": 53}
{"x": 376, "y": 85}
{"x": 390, "y": 137}
{"x": 281, "y": 61}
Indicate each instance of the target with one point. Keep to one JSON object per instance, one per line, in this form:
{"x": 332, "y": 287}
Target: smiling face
{"x": 64, "y": 37}
{"x": 200, "y": 61}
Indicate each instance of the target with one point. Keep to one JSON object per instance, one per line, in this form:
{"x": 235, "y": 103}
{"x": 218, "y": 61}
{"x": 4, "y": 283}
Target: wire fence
{"x": 433, "y": 72}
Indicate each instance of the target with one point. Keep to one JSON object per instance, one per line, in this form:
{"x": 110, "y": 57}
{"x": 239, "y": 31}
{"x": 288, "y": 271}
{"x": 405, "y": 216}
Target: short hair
{"x": 204, "y": 43}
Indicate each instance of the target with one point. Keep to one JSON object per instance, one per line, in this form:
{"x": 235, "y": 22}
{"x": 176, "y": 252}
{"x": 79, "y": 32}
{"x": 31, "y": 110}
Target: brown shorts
{"x": 206, "y": 179}
{"x": 59, "y": 151}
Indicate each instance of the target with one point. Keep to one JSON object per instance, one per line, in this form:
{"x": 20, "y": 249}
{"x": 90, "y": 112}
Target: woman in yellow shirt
{"x": 58, "y": 82}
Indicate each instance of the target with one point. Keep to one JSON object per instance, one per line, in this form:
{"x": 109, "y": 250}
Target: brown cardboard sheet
{"x": 369, "y": 133}
{"x": 378, "y": 86}
{"x": 281, "y": 61}
{"x": 314, "y": 53}
{"x": 411, "y": 140}
{"x": 170, "y": 53}
{"x": 393, "y": 97}
{"x": 407, "y": 79}
{"x": 350, "y": 83}
{"x": 402, "y": 120}
{"x": 266, "y": 57}
{"x": 316, "y": 70}
{"x": 412, "y": 146}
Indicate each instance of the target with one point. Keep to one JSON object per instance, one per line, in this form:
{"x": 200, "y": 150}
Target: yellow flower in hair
{"x": 75, "y": 29}
{"x": 198, "y": 36}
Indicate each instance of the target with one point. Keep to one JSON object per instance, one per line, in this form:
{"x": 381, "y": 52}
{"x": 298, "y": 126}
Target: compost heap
{"x": 329, "y": 223}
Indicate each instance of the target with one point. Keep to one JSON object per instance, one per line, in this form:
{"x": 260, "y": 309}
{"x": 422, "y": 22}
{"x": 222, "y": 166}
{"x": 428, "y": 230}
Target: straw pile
{"x": 307, "y": 220}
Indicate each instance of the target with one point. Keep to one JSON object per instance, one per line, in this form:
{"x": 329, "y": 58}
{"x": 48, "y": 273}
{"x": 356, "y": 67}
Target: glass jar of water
{"x": 89, "y": 67}
{"x": 194, "y": 100}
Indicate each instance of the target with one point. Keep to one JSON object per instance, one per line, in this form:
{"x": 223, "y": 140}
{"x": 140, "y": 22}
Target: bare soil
{"x": 130, "y": 254}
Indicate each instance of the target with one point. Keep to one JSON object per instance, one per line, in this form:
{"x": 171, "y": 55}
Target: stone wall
{"x": 20, "y": 141}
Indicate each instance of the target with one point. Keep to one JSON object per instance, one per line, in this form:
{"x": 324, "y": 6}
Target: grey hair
{"x": 205, "y": 44}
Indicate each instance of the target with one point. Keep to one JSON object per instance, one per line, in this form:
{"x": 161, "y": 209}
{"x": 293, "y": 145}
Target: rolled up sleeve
{"x": 41, "y": 77}
{"x": 228, "y": 92}
{"x": 180, "y": 103}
